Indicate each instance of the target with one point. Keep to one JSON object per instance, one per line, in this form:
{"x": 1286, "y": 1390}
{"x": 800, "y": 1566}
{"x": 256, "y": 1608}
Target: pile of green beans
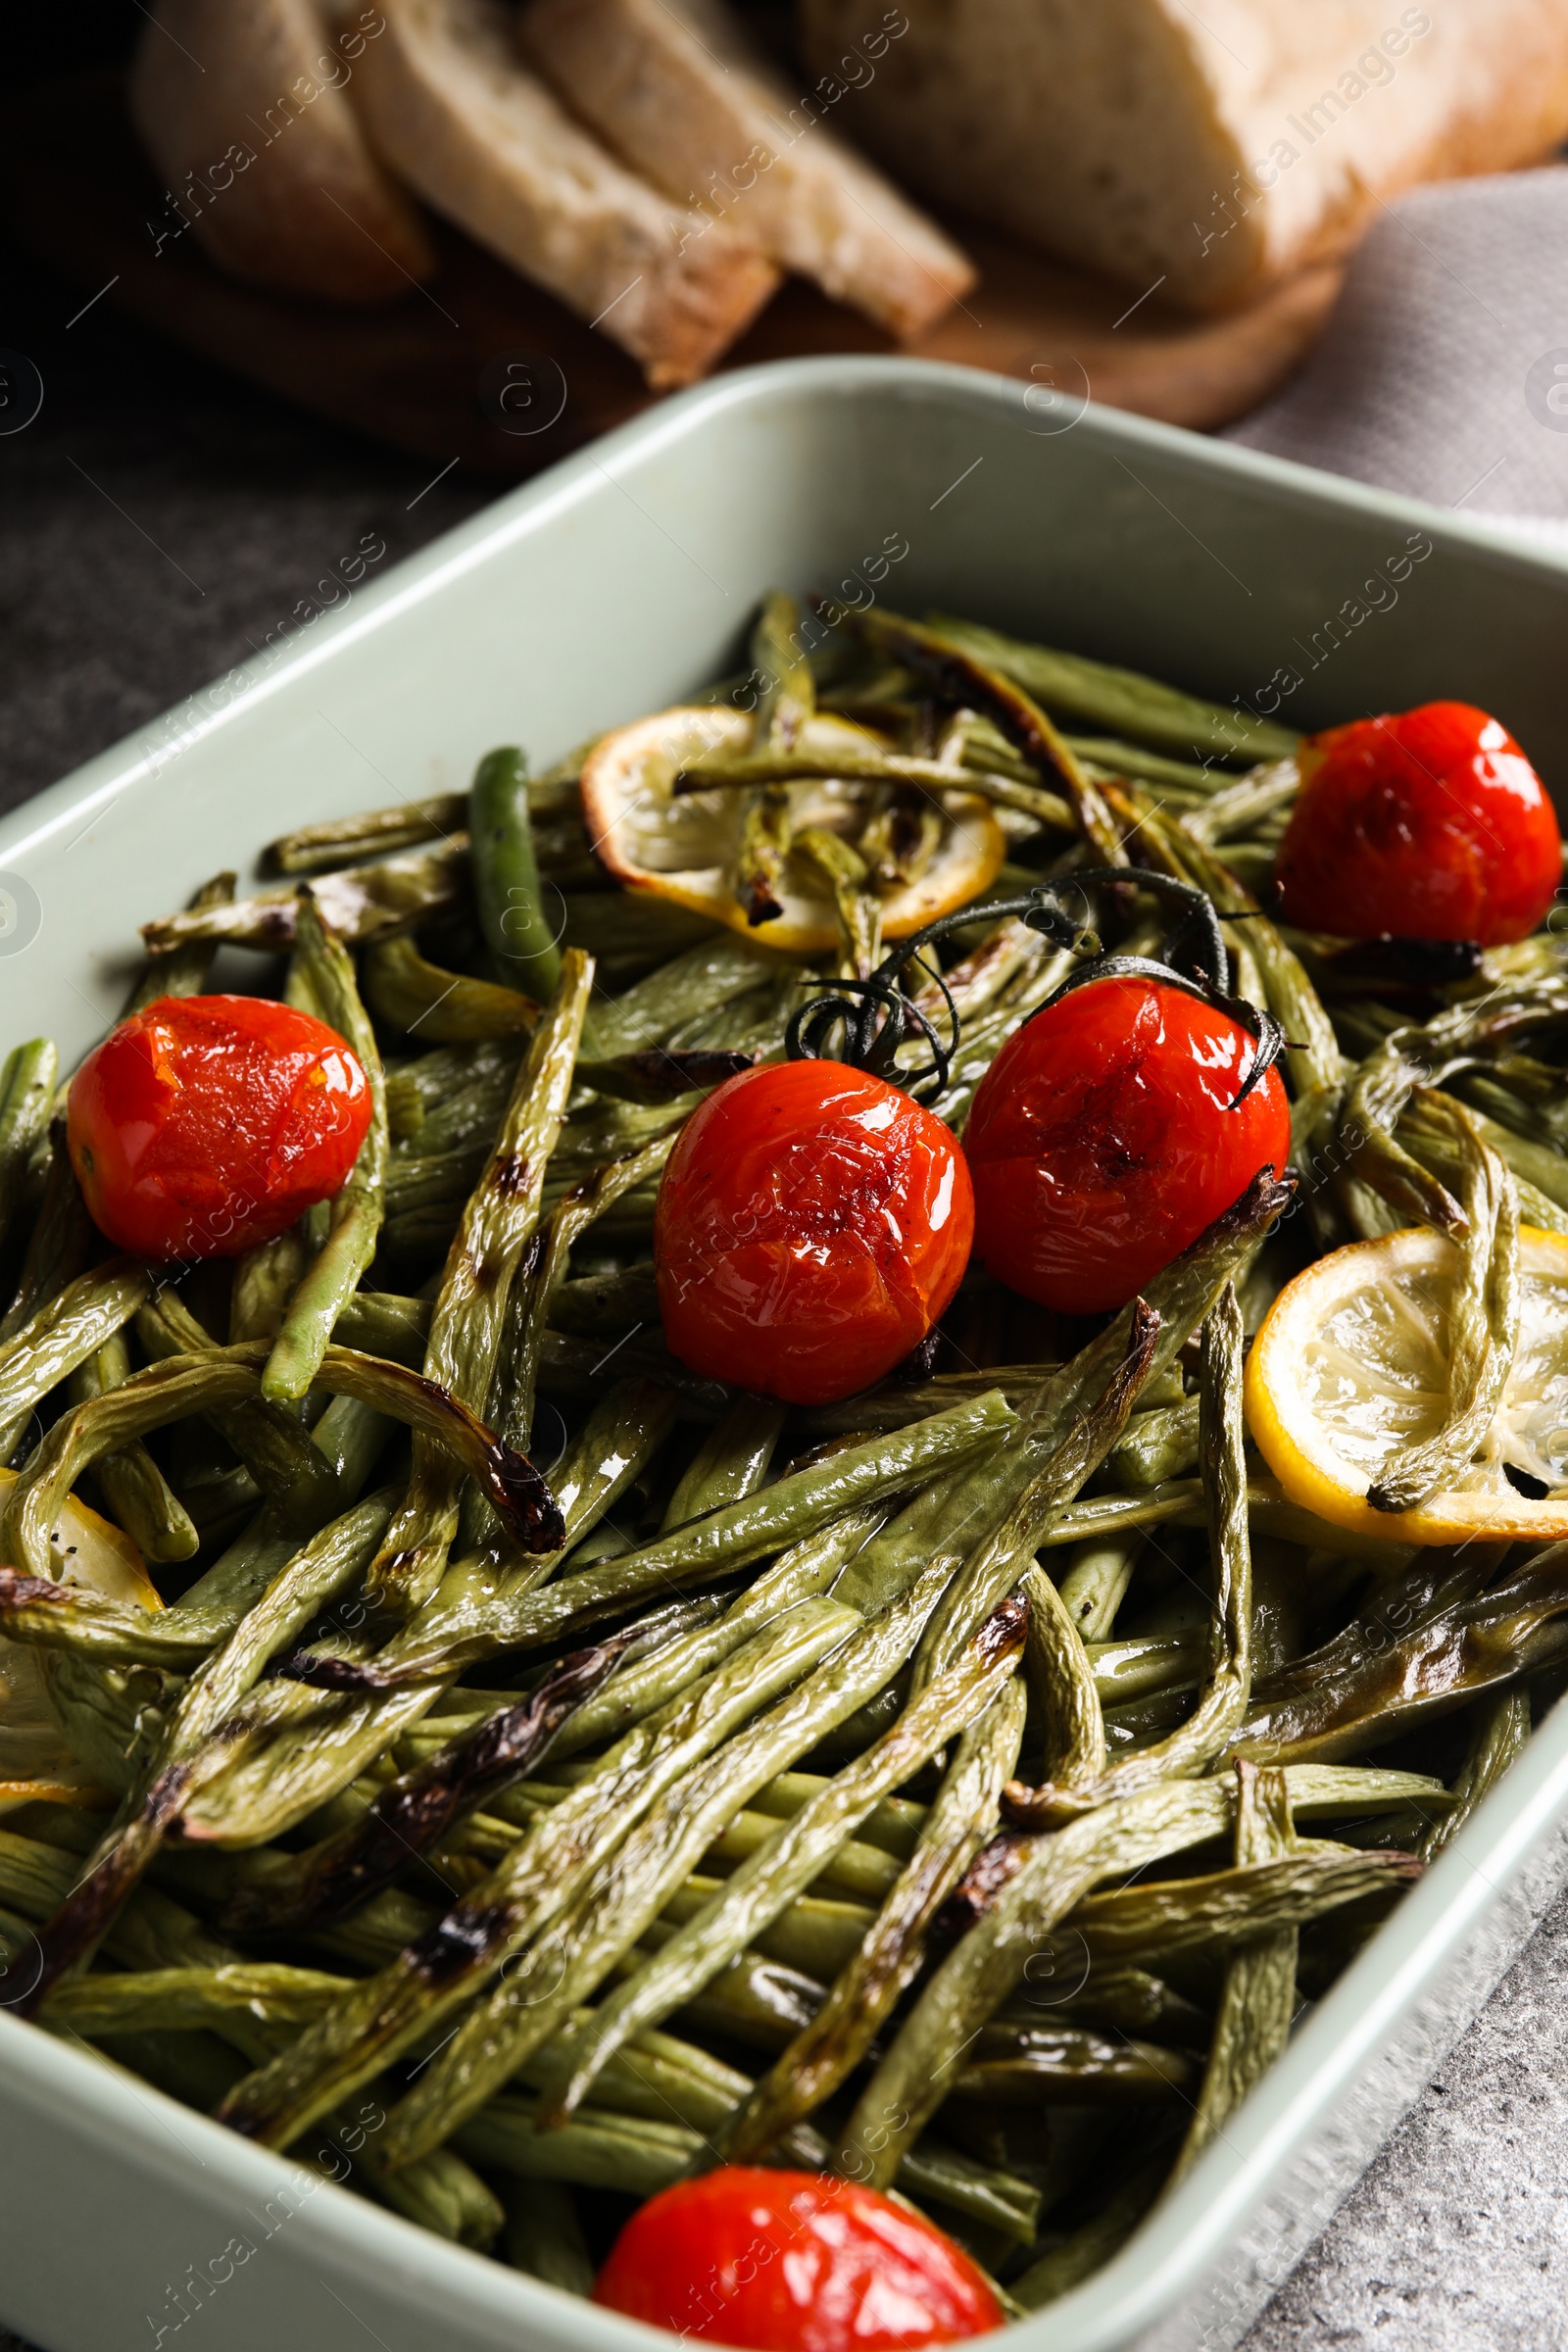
{"x": 593, "y": 1774}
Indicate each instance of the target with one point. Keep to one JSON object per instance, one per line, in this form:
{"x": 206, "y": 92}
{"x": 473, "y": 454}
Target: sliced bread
{"x": 245, "y": 111}
{"x": 451, "y": 106}
{"x": 677, "y": 88}
{"x": 1205, "y": 151}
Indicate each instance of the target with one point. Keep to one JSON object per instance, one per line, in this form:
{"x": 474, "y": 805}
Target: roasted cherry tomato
{"x": 1430, "y": 824}
{"x": 812, "y": 1224}
{"x": 1103, "y": 1140}
{"x": 203, "y": 1125}
{"x": 793, "y": 2261}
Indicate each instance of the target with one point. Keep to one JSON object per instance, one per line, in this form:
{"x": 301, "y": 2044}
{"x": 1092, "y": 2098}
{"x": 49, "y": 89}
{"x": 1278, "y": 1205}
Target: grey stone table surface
{"x": 156, "y": 523}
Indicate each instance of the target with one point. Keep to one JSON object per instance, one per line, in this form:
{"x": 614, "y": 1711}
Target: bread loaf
{"x": 245, "y": 110}
{"x": 1205, "y": 151}
{"x": 677, "y": 90}
{"x": 452, "y": 107}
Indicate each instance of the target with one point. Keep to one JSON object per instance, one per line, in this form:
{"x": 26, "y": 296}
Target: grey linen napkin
{"x": 1442, "y": 371}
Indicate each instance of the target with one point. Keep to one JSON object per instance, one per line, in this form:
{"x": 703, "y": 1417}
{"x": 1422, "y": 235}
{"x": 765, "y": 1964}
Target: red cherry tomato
{"x": 793, "y": 2261}
{"x": 1430, "y": 824}
{"x": 812, "y": 1224}
{"x": 203, "y": 1125}
{"x": 1102, "y": 1140}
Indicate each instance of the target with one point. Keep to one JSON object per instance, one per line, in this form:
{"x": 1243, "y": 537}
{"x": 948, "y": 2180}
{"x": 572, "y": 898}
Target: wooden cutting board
{"x": 424, "y": 373}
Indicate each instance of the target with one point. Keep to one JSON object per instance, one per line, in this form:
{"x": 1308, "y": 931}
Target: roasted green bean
{"x": 1500, "y": 1732}
{"x": 775, "y": 1673}
{"x": 439, "y": 1008}
{"x": 862, "y": 1998}
{"x": 725, "y": 1540}
{"x": 358, "y": 903}
{"x": 59, "y": 1248}
{"x": 1388, "y": 1684}
{"x": 1094, "y": 1583}
{"x": 415, "y": 1811}
{"x": 271, "y": 1444}
{"x": 1222, "y": 1704}
{"x": 219, "y": 1377}
{"x": 787, "y": 1863}
{"x": 469, "y": 1319}
{"x": 521, "y": 2011}
{"x": 513, "y": 915}
{"x": 971, "y": 679}
{"x": 1158, "y": 1923}
{"x": 1122, "y": 700}
{"x": 1258, "y": 2002}
{"x": 1116, "y": 1840}
{"x": 184, "y": 970}
{"x": 27, "y": 1092}
{"x": 772, "y": 769}
{"x": 64, "y": 1333}
{"x": 1482, "y": 1324}
{"x": 532, "y": 1888}
{"x": 135, "y": 1492}
{"x": 343, "y": 840}
{"x": 327, "y": 975}
{"x": 1096, "y": 2240}
{"x": 573, "y": 1215}
{"x": 544, "y": 2235}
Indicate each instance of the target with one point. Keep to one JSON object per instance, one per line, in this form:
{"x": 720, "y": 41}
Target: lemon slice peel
{"x": 1351, "y": 1363}
{"x": 686, "y": 847}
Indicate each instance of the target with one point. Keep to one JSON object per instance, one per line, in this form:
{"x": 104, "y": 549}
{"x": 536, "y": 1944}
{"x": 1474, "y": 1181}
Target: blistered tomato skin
{"x": 203, "y": 1125}
{"x": 812, "y": 1224}
{"x": 1102, "y": 1140}
{"x": 793, "y": 2261}
{"x": 1428, "y": 824}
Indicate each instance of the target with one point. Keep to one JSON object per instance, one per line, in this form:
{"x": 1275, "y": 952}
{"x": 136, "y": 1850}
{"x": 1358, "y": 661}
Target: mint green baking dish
{"x": 612, "y": 585}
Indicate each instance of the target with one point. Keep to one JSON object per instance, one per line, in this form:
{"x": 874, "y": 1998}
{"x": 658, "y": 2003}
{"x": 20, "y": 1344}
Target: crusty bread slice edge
{"x": 677, "y": 88}
{"x": 245, "y": 110}
{"x": 450, "y": 105}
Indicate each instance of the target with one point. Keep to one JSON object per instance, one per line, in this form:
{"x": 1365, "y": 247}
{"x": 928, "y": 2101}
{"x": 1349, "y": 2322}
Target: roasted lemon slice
{"x": 685, "y": 846}
{"x": 1352, "y": 1362}
{"x": 35, "y": 1760}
